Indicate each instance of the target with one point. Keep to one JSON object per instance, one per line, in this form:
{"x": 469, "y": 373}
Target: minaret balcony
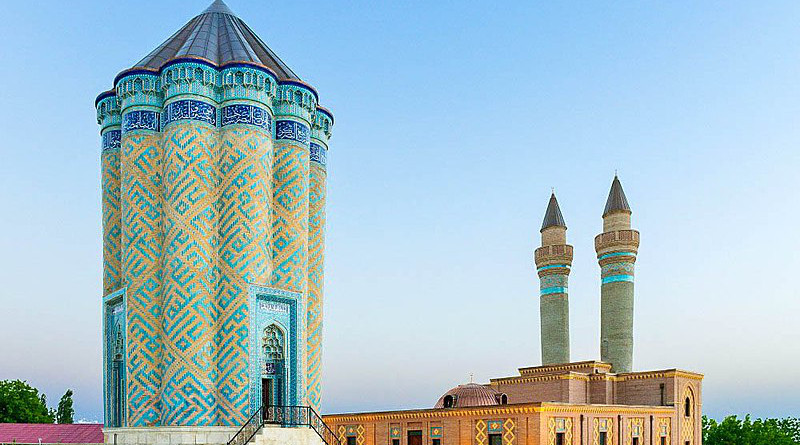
{"x": 550, "y": 254}
{"x": 616, "y": 238}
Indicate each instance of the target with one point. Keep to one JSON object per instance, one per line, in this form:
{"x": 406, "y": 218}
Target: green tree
{"x": 65, "y": 411}
{"x": 791, "y": 427}
{"x": 22, "y": 403}
{"x": 733, "y": 431}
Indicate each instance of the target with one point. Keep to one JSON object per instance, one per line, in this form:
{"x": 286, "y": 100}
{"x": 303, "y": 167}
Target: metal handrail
{"x": 249, "y": 429}
{"x": 285, "y": 416}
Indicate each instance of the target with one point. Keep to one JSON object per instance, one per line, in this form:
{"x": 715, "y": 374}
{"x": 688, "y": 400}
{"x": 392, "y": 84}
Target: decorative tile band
{"x": 553, "y": 290}
{"x": 614, "y": 254}
{"x": 190, "y": 110}
{"x": 553, "y": 266}
{"x": 318, "y": 154}
{"x": 111, "y": 139}
{"x": 246, "y": 114}
{"x": 140, "y": 120}
{"x": 620, "y": 268}
{"x": 291, "y": 130}
{"x": 617, "y": 278}
{"x": 436, "y": 432}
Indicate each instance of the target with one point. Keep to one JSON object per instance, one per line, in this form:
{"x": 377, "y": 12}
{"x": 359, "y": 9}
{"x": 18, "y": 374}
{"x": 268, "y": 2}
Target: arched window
{"x": 449, "y": 401}
{"x": 687, "y": 406}
{"x": 273, "y": 343}
{"x": 503, "y": 399}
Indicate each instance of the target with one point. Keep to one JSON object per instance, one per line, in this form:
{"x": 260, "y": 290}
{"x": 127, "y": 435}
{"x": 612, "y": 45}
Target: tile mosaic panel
{"x": 190, "y": 110}
{"x": 140, "y": 120}
{"x": 318, "y": 154}
{"x": 292, "y": 131}
{"x": 270, "y": 306}
{"x": 246, "y": 114}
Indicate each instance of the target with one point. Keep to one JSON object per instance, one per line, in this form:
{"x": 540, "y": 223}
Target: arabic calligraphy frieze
{"x": 318, "y": 153}
{"x": 111, "y": 139}
{"x": 291, "y": 130}
{"x": 140, "y": 120}
{"x": 246, "y": 114}
{"x": 190, "y": 110}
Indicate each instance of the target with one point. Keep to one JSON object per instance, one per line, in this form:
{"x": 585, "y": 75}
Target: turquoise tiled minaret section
{"x": 213, "y": 191}
{"x": 616, "y": 250}
{"x": 553, "y": 263}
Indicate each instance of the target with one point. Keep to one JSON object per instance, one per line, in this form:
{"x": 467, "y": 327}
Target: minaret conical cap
{"x": 553, "y": 216}
{"x": 217, "y": 35}
{"x": 616, "y": 199}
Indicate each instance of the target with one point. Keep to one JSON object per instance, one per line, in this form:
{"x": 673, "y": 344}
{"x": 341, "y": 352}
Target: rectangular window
{"x": 635, "y": 441}
{"x": 395, "y": 441}
{"x": 436, "y": 442}
{"x": 663, "y": 441}
{"x": 603, "y": 437}
{"x": 495, "y": 439}
{"x": 560, "y": 439}
{"x": 351, "y": 440}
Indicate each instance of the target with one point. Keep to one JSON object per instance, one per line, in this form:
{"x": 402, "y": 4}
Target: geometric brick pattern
{"x": 112, "y": 223}
{"x": 481, "y": 437}
{"x": 687, "y": 425}
{"x": 290, "y": 215}
{"x": 508, "y": 432}
{"x": 191, "y": 274}
{"x": 141, "y": 264}
{"x": 316, "y": 275}
{"x": 244, "y": 255}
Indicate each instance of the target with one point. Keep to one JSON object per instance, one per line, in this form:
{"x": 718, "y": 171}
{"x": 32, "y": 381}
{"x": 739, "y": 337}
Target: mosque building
{"x": 213, "y": 162}
{"x": 213, "y": 198}
{"x": 561, "y": 402}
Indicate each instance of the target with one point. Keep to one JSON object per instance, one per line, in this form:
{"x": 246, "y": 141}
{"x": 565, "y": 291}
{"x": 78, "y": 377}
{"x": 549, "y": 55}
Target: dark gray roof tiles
{"x": 616, "y": 199}
{"x": 553, "y": 216}
{"x": 220, "y": 37}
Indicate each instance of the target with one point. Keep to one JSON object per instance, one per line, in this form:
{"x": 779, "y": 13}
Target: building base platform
{"x": 208, "y": 435}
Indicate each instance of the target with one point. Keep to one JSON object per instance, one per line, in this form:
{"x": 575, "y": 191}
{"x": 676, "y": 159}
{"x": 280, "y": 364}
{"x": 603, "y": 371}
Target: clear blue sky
{"x": 453, "y": 121}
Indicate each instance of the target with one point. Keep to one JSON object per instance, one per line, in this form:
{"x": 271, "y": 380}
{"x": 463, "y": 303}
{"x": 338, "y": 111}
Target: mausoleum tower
{"x": 616, "y": 251}
{"x": 213, "y": 190}
{"x": 553, "y": 261}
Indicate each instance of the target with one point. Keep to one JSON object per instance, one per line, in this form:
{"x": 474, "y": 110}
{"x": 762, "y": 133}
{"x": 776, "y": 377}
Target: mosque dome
{"x": 471, "y": 394}
{"x": 217, "y": 36}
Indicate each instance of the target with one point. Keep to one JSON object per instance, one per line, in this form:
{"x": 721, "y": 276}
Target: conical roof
{"x": 553, "y": 216}
{"x": 616, "y": 199}
{"x": 220, "y": 37}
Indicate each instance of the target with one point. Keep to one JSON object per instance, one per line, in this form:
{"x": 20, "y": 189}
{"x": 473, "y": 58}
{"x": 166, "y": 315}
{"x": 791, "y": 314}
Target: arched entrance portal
{"x": 273, "y": 380}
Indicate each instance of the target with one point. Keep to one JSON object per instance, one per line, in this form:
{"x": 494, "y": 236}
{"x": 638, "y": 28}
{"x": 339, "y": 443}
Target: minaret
{"x": 553, "y": 262}
{"x": 616, "y": 252}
